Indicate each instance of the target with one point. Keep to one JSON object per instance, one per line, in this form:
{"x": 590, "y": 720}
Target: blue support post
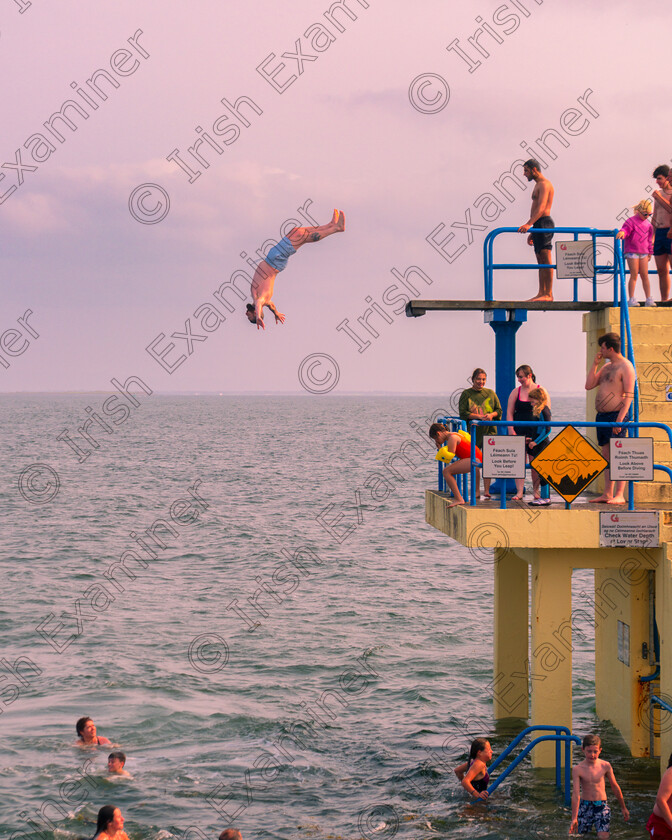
{"x": 505, "y": 324}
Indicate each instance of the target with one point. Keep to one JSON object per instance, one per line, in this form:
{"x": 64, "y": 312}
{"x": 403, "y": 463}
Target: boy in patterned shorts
{"x": 589, "y": 797}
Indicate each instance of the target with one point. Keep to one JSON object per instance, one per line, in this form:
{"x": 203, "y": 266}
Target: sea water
{"x": 302, "y": 657}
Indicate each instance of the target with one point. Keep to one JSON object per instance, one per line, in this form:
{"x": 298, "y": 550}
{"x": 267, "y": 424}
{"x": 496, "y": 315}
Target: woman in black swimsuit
{"x": 86, "y": 730}
{"x": 519, "y": 407}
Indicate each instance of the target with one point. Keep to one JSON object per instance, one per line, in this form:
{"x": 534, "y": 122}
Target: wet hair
{"x": 612, "y": 341}
{"x": 477, "y": 745}
{"x": 532, "y": 164}
{"x": 663, "y": 170}
{"x": 591, "y": 741}
{"x": 117, "y": 754}
{"x": 669, "y": 761}
{"x": 230, "y": 834}
{"x": 435, "y": 428}
{"x": 478, "y": 372}
{"x": 527, "y": 370}
{"x": 105, "y": 817}
{"x": 81, "y": 723}
{"x": 540, "y": 394}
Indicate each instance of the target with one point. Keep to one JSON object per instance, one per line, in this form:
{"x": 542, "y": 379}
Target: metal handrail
{"x": 625, "y": 321}
{"x": 566, "y": 739}
{"x": 631, "y": 425}
{"x": 654, "y": 699}
{"x": 594, "y": 233}
{"x": 519, "y": 737}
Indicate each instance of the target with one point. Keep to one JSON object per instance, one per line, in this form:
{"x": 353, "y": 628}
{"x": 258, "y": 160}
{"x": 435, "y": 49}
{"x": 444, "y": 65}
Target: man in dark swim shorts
{"x": 540, "y": 217}
{"x": 542, "y": 241}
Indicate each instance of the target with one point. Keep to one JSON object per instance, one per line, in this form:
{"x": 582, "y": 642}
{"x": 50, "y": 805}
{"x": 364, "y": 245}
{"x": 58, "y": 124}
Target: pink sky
{"x": 336, "y": 129}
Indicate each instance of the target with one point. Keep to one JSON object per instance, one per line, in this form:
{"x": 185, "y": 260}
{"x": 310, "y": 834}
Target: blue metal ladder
{"x": 561, "y": 735}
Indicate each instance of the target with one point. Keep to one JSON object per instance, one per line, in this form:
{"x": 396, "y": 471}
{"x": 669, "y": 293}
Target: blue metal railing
{"x": 631, "y": 426}
{"x": 657, "y": 700}
{"x": 593, "y": 233}
{"x": 561, "y": 735}
{"x": 617, "y": 270}
{"x": 625, "y": 323}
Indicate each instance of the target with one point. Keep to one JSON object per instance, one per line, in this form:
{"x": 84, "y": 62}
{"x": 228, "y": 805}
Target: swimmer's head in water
{"x": 109, "y": 814}
{"x": 249, "y": 314}
{"x": 116, "y": 761}
{"x": 230, "y": 834}
{"x": 86, "y": 728}
{"x": 479, "y": 745}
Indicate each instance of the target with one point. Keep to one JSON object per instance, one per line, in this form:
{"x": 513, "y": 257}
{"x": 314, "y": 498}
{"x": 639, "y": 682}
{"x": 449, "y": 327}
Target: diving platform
{"x": 416, "y": 308}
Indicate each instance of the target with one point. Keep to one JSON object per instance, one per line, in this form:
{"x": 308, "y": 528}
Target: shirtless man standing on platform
{"x": 540, "y": 217}
{"x": 276, "y": 261}
{"x": 615, "y": 384}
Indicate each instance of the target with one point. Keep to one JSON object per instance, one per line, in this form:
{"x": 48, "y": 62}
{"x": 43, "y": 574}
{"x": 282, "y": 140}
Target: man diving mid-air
{"x": 276, "y": 261}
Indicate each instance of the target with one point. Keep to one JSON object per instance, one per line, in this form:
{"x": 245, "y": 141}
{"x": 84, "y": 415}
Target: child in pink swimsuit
{"x": 637, "y": 236}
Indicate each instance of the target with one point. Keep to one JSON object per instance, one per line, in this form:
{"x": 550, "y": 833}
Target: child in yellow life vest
{"x": 450, "y": 444}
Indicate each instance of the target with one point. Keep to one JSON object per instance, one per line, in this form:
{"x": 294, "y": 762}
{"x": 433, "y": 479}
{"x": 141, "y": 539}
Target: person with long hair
{"x": 519, "y": 407}
{"x": 473, "y": 773}
{"x": 110, "y": 825}
{"x": 536, "y": 440}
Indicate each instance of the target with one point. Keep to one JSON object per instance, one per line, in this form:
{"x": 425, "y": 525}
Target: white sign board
{"x": 631, "y": 459}
{"x": 574, "y": 259}
{"x": 629, "y": 529}
{"x": 504, "y": 456}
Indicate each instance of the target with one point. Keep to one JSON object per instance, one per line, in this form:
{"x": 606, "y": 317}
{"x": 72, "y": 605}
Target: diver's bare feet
{"x": 455, "y": 504}
{"x": 602, "y": 500}
{"x": 339, "y": 220}
{"x": 540, "y": 298}
{"x": 617, "y": 500}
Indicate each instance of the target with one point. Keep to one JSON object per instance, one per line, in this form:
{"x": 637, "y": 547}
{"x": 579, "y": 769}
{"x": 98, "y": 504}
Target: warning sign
{"x": 631, "y": 459}
{"x": 504, "y": 456}
{"x": 629, "y": 529}
{"x": 574, "y": 259}
{"x": 569, "y": 463}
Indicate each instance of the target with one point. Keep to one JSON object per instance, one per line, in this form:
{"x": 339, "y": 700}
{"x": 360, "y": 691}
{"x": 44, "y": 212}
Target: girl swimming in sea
{"x": 473, "y": 773}
{"x": 110, "y": 824}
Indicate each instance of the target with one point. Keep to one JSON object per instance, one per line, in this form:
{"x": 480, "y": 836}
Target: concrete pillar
{"x": 622, "y": 614}
{"x": 551, "y": 660}
{"x": 510, "y": 685}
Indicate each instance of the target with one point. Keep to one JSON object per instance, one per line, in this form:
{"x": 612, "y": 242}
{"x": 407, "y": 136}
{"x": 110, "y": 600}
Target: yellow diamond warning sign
{"x": 569, "y": 463}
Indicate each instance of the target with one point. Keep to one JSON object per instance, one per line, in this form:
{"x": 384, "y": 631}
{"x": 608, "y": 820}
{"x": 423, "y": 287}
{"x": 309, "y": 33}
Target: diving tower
{"x": 535, "y": 550}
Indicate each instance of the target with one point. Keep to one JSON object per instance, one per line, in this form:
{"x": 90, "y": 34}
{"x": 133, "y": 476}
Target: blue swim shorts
{"x": 279, "y": 254}
{"x": 596, "y": 814}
